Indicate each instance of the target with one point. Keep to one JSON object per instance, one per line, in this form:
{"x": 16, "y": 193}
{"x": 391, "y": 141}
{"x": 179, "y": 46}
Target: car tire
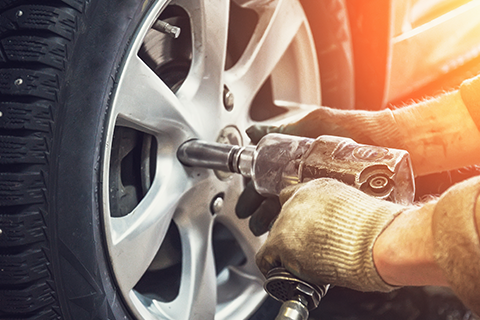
{"x": 58, "y": 64}
{"x": 61, "y": 67}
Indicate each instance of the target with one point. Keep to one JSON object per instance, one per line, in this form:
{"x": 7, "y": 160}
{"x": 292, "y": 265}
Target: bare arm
{"x": 439, "y": 134}
{"x": 403, "y": 253}
{"x": 329, "y": 232}
{"x": 436, "y": 244}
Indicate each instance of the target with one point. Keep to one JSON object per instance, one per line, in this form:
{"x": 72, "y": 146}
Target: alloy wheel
{"x": 176, "y": 248}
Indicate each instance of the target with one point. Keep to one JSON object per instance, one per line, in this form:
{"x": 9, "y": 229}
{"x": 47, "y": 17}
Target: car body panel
{"x": 426, "y": 45}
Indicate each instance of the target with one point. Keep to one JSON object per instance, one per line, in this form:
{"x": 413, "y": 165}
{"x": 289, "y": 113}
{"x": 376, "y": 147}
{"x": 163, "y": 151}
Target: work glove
{"x": 325, "y": 233}
{"x": 261, "y": 210}
{"x": 368, "y": 127}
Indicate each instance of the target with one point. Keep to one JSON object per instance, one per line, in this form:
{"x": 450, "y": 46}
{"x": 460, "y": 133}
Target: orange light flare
{"x": 435, "y": 45}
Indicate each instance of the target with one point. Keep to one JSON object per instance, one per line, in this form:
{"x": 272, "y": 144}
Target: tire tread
{"x": 22, "y": 150}
{"x": 20, "y": 230}
{"x": 23, "y": 268}
{"x": 20, "y": 117}
{"x": 36, "y": 38}
{"x": 27, "y": 300}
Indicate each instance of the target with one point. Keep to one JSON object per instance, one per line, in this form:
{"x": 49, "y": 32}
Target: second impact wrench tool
{"x": 278, "y": 161}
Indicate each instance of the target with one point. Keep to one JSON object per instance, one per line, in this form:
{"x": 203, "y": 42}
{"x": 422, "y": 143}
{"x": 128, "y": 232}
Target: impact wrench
{"x": 279, "y": 160}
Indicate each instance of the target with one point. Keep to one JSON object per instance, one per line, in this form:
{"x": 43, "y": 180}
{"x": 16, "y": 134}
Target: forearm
{"x": 439, "y": 134}
{"x": 403, "y": 253}
{"x": 436, "y": 244}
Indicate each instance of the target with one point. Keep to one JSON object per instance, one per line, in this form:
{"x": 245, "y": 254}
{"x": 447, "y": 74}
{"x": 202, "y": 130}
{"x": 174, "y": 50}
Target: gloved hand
{"x": 369, "y": 127}
{"x": 325, "y": 234}
{"x": 261, "y": 210}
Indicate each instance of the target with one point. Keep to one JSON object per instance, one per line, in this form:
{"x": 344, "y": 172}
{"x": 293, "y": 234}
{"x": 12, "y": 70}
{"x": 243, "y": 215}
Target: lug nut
{"x": 228, "y": 99}
{"x": 167, "y": 28}
{"x": 217, "y": 204}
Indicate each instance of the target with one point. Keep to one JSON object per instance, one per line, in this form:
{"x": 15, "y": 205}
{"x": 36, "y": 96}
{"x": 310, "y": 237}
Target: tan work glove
{"x": 325, "y": 234}
{"x": 369, "y": 127}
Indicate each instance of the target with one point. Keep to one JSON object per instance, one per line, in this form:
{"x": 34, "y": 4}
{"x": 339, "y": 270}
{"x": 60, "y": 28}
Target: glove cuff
{"x": 367, "y": 127}
{"x": 353, "y": 222}
{"x": 456, "y": 240}
{"x": 470, "y": 93}
{"x": 377, "y": 128}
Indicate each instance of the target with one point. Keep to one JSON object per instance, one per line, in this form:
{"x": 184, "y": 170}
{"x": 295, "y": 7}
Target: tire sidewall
{"x": 83, "y": 277}
{"x": 80, "y": 265}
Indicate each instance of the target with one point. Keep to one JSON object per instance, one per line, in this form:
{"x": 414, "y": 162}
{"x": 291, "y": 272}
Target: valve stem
{"x": 167, "y": 28}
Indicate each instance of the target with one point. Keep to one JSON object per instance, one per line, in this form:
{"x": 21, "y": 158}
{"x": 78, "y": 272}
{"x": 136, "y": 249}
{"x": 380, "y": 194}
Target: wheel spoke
{"x": 247, "y": 241}
{"x": 144, "y": 102}
{"x": 251, "y": 290}
{"x": 137, "y": 236}
{"x": 205, "y": 80}
{"x": 238, "y": 227}
{"x": 202, "y": 282}
{"x": 197, "y": 295}
{"x": 245, "y": 278}
{"x": 254, "y": 4}
{"x": 277, "y": 27}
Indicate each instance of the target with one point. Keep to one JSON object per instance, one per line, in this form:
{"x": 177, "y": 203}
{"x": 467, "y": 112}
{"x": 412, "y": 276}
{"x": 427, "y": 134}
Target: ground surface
{"x": 429, "y": 303}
